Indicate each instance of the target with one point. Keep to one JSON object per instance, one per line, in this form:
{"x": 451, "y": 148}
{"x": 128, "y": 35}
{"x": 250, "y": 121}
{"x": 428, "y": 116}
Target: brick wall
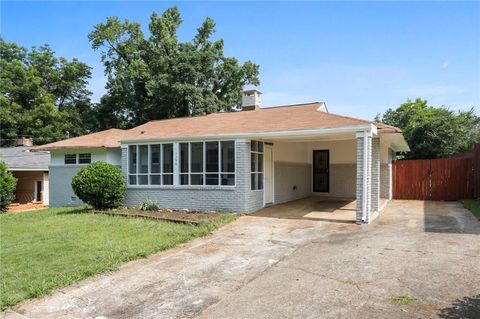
{"x": 238, "y": 198}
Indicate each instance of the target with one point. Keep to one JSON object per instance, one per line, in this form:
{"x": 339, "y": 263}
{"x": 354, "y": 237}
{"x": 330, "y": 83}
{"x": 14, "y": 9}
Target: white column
{"x": 364, "y": 170}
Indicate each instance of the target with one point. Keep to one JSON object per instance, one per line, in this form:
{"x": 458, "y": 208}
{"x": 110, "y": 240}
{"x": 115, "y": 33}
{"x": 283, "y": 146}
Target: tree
{"x": 41, "y": 95}
{"x": 101, "y": 185}
{"x": 160, "y": 77}
{"x": 434, "y": 132}
{"x": 7, "y": 187}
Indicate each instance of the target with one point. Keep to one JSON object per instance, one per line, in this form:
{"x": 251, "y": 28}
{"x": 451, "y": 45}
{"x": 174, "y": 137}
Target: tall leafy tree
{"x": 41, "y": 95}
{"x": 434, "y": 132}
{"x": 158, "y": 76}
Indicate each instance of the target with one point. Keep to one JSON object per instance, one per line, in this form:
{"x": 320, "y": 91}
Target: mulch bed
{"x": 178, "y": 216}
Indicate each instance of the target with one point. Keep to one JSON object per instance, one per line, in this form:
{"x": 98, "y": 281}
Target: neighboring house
{"x": 242, "y": 160}
{"x": 31, "y": 171}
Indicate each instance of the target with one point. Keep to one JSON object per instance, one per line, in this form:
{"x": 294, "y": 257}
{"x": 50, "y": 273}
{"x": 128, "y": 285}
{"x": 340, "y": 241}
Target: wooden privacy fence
{"x": 437, "y": 179}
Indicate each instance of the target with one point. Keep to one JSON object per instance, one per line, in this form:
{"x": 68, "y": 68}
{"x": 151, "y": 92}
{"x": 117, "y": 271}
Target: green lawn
{"x": 473, "y": 206}
{"x": 44, "y": 250}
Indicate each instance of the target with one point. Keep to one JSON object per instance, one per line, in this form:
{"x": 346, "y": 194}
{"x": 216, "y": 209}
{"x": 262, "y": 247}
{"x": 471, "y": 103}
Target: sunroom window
{"x": 256, "y": 165}
{"x": 150, "y": 164}
{"x": 207, "y": 163}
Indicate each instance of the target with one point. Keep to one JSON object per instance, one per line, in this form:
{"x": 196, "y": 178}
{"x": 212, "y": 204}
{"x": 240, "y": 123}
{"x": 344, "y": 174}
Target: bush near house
{"x": 100, "y": 185}
{"x": 7, "y": 187}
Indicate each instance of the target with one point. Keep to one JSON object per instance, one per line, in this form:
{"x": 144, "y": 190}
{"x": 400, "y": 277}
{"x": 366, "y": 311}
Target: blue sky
{"x": 358, "y": 57}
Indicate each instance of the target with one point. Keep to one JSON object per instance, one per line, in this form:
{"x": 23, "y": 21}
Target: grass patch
{"x": 402, "y": 300}
{"x": 473, "y": 205}
{"x": 45, "y": 250}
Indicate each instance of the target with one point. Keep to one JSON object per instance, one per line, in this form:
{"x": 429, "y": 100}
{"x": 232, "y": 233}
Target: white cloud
{"x": 445, "y": 64}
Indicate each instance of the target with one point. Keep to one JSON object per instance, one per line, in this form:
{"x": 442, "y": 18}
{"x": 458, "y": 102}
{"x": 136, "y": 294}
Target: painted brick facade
{"x": 238, "y": 198}
{"x": 364, "y": 144}
{"x": 386, "y": 181}
{"x": 375, "y": 172}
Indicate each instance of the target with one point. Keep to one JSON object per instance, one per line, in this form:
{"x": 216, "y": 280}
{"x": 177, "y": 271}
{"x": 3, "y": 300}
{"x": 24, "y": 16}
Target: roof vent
{"x": 251, "y": 100}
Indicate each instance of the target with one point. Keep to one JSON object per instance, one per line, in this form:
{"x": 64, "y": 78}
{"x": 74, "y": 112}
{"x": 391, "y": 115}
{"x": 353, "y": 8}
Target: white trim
{"x": 259, "y": 135}
{"x": 31, "y": 169}
{"x": 272, "y": 161}
{"x": 176, "y": 164}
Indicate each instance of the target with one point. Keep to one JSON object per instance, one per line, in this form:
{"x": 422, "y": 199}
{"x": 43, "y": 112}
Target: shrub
{"x": 149, "y": 204}
{"x": 7, "y": 187}
{"x": 100, "y": 185}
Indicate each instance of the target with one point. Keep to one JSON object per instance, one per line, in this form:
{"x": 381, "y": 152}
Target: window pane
{"x": 260, "y": 181}
{"x": 212, "y": 157}
{"x": 228, "y": 156}
{"x": 184, "y": 157}
{"x": 168, "y": 179}
{"x": 260, "y": 147}
{"x": 183, "y": 179}
{"x": 70, "y": 158}
{"x": 211, "y": 179}
{"x": 143, "y": 149}
{"x": 196, "y": 157}
{"x": 260, "y": 163}
{"x": 85, "y": 158}
{"x": 196, "y": 179}
{"x": 142, "y": 179}
{"x": 228, "y": 179}
{"x": 253, "y": 181}
{"x": 132, "y": 155}
{"x": 167, "y": 159}
{"x": 253, "y": 146}
{"x": 253, "y": 162}
{"x": 132, "y": 179}
{"x": 155, "y": 159}
{"x": 154, "y": 179}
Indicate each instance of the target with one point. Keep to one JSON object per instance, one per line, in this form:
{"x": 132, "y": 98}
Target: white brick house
{"x": 240, "y": 161}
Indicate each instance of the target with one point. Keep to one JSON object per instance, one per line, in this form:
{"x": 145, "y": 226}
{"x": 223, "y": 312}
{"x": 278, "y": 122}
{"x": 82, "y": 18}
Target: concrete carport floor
{"x": 263, "y": 267}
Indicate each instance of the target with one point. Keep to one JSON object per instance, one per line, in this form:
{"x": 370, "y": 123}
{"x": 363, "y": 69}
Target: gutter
{"x": 274, "y": 134}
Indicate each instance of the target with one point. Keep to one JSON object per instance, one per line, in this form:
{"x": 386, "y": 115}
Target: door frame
{"x": 328, "y": 171}
{"x": 38, "y": 192}
{"x": 269, "y": 145}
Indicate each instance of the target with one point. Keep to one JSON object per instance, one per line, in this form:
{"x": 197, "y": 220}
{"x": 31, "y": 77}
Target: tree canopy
{"x": 41, "y": 95}
{"x": 434, "y": 132}
{"x": 159, "y": 77}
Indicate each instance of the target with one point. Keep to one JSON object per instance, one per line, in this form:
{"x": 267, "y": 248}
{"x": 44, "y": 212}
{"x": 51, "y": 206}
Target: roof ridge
{"x": 289, "y": 105}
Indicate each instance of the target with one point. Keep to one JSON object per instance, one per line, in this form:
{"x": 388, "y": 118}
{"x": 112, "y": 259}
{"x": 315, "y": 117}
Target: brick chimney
{"x": 251, "y": 100}
{"x": 25, "y": 141}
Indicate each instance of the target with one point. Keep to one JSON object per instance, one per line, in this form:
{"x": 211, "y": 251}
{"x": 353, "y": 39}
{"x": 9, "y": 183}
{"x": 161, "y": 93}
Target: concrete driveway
{"x": 274, "y": 267}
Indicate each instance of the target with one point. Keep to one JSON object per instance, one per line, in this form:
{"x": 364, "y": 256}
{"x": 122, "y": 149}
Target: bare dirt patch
{"x": 172, "y": 215}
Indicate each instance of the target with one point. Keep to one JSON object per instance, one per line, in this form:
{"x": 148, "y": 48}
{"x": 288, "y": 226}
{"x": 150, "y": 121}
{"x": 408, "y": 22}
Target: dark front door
{"x": 321, "y": 164}
{"x": 38, "y": 195}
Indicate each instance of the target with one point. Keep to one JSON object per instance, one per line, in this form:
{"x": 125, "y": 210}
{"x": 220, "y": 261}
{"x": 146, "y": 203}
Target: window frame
{"x": 257, "y": 173}
{"x": 149, "y": 173}
{"x": 204, "y": 172}
{"x": 70, "y": 154}
{"x": 176, "y": 165}
{"x": 89, "y": 158}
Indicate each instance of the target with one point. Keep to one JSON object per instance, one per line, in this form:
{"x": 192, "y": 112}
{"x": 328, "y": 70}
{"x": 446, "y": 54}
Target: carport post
{"x": 364, "y": 175}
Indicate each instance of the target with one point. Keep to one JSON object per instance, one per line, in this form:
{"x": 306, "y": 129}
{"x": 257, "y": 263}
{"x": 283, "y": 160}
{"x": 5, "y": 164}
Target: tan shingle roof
{"x": 107, "y": 138}
{"x": 272, "y": 119}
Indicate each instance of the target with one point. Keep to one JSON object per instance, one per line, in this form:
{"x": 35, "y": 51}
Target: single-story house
{"x": 241, "y": 160}
{"x": 31, "y": 171}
